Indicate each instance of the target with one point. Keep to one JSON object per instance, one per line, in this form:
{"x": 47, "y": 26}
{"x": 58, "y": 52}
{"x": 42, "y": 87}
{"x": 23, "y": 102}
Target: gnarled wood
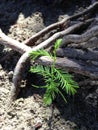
{"x": 61, "y": 24}
{"x": 72, "y": 65}
{"x": 73, "y": 59}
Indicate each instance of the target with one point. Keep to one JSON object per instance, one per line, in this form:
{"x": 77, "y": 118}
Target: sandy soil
{"x": 20, "y": 20}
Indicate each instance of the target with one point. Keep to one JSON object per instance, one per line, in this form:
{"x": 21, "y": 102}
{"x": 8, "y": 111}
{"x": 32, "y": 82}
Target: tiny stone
{"x": 10, "y": 74}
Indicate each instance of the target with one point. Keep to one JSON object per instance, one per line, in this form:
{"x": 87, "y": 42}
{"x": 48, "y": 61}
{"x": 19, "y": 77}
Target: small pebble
{"x": 10, "y": 74}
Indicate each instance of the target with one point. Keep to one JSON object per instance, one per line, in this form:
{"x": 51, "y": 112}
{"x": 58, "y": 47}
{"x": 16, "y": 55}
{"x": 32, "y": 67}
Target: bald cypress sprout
{"x": 56, "y": 80}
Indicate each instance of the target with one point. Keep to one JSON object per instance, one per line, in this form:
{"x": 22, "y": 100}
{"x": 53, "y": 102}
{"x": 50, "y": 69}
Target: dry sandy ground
{"x": 21, "y": 20}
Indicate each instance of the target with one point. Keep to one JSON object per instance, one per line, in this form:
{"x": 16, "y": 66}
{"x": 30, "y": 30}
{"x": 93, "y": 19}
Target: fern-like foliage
{"x": 41, "y": 52}
{"x": 66, "y": 82}
{"x": 55, "y": 79}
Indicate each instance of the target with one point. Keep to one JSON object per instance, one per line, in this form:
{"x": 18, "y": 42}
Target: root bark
{"x": 78, "y": 52}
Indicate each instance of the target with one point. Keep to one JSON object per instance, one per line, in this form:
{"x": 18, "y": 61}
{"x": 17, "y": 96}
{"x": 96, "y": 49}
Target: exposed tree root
{"x": 80, "y": 38}
{"x": 78, "y": 54}
{"x": 74, "y": 64}
{"x": 25, "y": 57}
{"x": 7, "y": 41}
{"x": 62, "y": 24}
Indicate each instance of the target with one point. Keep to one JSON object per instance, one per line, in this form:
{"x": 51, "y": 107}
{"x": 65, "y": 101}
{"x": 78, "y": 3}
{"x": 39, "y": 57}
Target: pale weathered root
{"x": 73, "y": 53}
{"x": 25, "y": 57}
{"x": 15, "y": 45}
{"x": 60, "y": 34}
{"x": 62, "y": 24}
{"x": 72, "y": 65}
{"x": 92, "y": 43}
{"x": 22, "y": 61}
{"x": 64, "y": 63}
{"x": 17, "y": 76}
{"x": 80, "y": 38}
{"x": 21, "y": 48}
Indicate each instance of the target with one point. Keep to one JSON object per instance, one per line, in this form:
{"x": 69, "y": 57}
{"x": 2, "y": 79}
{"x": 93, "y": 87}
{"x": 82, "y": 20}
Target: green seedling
{"x": 56, "y": 80}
